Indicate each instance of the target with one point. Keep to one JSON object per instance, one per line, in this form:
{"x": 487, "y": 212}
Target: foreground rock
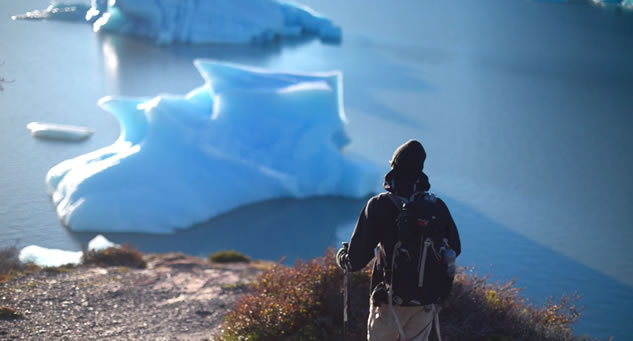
{"x": 177, "y": 297}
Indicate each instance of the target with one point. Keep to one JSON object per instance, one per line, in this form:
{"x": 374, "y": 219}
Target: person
{"x": 391, "y": 318}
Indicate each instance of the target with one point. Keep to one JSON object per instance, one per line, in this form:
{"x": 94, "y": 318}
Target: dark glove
{"x": 342, "y": 258}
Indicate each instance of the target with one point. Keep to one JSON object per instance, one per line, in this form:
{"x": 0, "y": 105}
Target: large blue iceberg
{"x": 247, "y": 135}
{"x": 210, "y": 21}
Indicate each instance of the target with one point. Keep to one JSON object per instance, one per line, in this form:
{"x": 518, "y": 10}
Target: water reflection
{"x": 268, "y": 230}
{"x": 131, "y": 63}
{"x": 137, "y": 67}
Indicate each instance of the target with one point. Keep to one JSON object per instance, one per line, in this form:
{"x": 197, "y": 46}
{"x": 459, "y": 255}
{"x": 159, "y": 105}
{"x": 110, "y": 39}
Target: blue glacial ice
{"x": 247, "y": 135}
{"x": 54, "y": 257}
{"x": 210, "y": 21}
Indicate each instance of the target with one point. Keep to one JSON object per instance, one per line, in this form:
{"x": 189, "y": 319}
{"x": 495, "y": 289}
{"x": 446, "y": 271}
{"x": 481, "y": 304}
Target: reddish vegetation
{"x": 304, "y": 302}
{"x": 126, "y": 255}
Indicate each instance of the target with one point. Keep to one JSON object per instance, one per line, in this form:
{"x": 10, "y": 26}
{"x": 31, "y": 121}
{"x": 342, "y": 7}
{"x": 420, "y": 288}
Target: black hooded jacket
{"x": 377, "y": 221}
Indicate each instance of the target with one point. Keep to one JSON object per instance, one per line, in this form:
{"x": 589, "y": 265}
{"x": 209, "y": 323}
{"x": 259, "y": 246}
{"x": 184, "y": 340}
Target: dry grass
{"x": 125, "y": 255}
{"x": 58, "y": 269}
{"x": 304, "y": 302}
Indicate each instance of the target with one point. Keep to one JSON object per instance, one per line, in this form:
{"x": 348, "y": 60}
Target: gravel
{"x": 177, "y": 297}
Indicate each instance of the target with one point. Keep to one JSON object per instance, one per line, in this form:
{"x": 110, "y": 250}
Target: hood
{"x": 406, "y": 175}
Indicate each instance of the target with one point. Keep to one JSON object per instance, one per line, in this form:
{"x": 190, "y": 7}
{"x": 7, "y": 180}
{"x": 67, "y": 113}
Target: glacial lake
{"x": 525, "y": 109}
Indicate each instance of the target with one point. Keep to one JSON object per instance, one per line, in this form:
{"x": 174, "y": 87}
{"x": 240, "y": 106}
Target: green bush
{"x": 230, "y": 256}
{"x": 125, "y": 255}
{"x": 305, "y": 302}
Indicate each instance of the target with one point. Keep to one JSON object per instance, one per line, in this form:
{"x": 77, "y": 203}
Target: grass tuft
{"x": 229, "y": 256}
{"x": 126, "y": 255}
{"x": 59, "y": 269}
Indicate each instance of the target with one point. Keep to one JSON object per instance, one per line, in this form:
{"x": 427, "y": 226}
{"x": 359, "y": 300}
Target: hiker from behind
{"x": 415, "y": 242}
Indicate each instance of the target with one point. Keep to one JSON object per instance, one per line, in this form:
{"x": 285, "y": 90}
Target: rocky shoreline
{"x": 177, "y": 297}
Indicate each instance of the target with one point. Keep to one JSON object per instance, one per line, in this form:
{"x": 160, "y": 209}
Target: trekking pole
{"x": 345, "y": 295}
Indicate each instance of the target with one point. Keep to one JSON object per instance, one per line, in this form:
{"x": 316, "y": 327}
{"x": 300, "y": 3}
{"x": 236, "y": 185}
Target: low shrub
{"x": 480, "y": 310}
{"x": 305, "y": 302}
{"x": 229, "y": 256}
{"x": 126, "y": 255}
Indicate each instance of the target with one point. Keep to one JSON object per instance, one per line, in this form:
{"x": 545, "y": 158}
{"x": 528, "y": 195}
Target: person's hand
{"x": 342, "y": 258}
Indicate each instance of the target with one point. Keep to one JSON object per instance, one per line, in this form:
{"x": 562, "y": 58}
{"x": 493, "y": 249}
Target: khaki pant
{"x": 416, "y": 322}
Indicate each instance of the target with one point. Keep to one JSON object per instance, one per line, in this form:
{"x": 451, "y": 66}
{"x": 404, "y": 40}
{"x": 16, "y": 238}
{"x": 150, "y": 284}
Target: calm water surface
{"x": 524, "y": 108}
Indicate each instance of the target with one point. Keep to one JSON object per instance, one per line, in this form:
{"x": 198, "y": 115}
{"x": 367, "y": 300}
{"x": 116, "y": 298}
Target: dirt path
{"x": 177, "y": 297}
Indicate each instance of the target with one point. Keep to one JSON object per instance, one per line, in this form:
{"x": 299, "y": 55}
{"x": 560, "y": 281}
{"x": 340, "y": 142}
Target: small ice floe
{"x": 100, "y": 242}
{"x": 57, "y": 11}
{"x": 59, "y": 131}
{"x": 42, "y": 256}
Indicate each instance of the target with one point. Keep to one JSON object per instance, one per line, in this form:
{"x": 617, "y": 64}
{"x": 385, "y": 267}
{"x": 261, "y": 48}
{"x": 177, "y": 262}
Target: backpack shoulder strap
{"x": 397, "y": 200}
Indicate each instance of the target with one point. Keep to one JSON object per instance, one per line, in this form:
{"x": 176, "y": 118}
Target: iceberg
{"x": 211, "y": 21}
{"x": 625, "y": 4}
{"x": 246, "y": 135}
{"x": 42, "y": 256}
{"x": 57, "y": 11}
{"x": 59, "y": 131}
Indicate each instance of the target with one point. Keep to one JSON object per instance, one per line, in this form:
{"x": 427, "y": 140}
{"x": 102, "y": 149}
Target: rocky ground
{"x": 177, "y": 297}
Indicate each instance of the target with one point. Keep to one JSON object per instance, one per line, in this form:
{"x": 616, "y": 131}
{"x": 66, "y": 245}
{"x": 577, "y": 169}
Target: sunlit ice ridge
{"x": 245, "y": 136}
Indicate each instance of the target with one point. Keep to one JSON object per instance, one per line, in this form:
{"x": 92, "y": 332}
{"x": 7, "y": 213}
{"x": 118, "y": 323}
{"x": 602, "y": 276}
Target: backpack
{"x": 417, "y": 262}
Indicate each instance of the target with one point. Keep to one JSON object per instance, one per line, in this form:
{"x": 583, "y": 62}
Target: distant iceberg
{"x": 59, "y": 131}
{"x": 625, "y": 4}
{"x": 57, "y": 11}
{"x": 54, "y": 257}
{"x": 210, "y": 21}
{"x": 247, "y": 135}
{"x": 196, "y": 22}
